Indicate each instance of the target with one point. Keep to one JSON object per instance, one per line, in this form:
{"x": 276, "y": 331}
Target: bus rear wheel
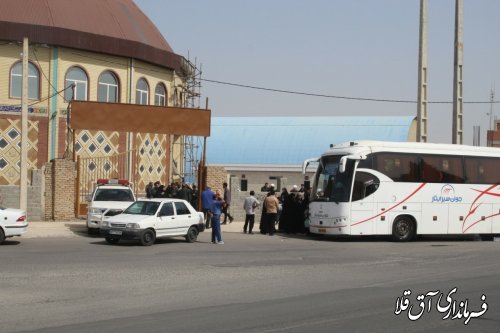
{"x": 403, "y": 229}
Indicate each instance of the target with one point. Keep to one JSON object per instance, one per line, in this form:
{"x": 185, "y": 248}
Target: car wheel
{"x": 2, "y": 236}
{"x": 403, "y": 229}
{"x": 112, "y": 240}
{"x": 148, "y": 237}
{"x": 192, "y": 235}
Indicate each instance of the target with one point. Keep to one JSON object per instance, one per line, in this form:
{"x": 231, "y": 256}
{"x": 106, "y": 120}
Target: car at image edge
{"x": 13, "y": 222}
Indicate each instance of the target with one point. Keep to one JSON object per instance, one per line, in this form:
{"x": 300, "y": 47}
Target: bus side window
{"x": 431, "y": 174}
{"x": 442, "y": 169}
{"x": 365, "y": 184}
{"x": 452, "y": 170}
{"x": 398, "y": 166}
{"x": 481, "y": 170}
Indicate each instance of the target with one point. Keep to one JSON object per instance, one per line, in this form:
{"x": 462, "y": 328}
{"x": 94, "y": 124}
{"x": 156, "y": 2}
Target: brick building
{"x": 493, "y": 137}
{"x": 110, "y": 52}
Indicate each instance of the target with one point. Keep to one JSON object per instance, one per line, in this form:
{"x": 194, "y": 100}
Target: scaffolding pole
{"x": 190, "y": 91}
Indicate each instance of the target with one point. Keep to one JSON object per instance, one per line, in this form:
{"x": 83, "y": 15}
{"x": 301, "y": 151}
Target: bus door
{"x": 363, "y": 207}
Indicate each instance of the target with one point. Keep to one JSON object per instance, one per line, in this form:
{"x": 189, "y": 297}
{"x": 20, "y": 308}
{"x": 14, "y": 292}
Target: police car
{"x": 12, "y": 222}
{"x": 110, "y": 197}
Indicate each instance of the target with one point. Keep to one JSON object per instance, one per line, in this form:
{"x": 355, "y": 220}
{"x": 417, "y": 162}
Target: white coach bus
{"x": 405, "y": 189}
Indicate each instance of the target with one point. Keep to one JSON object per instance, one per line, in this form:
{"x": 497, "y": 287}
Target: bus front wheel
{"x": 403, "y": 229}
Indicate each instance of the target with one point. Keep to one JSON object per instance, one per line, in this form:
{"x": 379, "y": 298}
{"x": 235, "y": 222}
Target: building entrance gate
{"x": 149, "y": 155}
{"x": 90, "y": 169}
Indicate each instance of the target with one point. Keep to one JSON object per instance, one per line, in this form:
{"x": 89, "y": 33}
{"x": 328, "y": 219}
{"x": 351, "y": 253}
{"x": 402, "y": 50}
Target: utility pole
{"x": 492, "y": 99}
{"x": 23, "y": 185}
{"x": 457, "y": 135}
{"x": 422, "y": 75}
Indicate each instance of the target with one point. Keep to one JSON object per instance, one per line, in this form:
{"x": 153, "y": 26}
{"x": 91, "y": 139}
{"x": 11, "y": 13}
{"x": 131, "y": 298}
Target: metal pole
{"x": 203, "y": 176}
{"x": 23, "y": 193}
{"x": 422, "y": 76}
{"x": 457, "y": 135}
{"x": 78, "y": 187}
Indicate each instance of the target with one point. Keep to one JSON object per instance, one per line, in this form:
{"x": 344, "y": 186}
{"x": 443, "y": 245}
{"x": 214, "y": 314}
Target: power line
{"x": 44, "y": 75}
{"x": 50, "y": 96}
{"x": 337, "y": 97}
{"x": 292, "y": 92}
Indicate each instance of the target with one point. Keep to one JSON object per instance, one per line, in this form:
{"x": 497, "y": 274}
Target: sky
{"x": 346, "y": 48}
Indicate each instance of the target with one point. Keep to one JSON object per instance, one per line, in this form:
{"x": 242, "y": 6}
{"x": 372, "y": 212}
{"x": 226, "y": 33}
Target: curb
{"x": 68, "y": 229}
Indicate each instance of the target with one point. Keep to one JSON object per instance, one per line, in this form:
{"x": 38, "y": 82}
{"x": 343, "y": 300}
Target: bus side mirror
{"x": 342, "y": 163}
{"x": 307, "y": 162}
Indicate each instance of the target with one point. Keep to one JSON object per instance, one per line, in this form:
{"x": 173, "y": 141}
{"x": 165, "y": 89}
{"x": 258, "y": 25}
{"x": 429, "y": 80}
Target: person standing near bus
{"x": 271, "y": 203}
{"x": 250, "y": 204}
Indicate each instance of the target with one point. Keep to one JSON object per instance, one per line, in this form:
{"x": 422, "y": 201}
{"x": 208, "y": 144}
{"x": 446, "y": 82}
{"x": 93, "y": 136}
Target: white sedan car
{"x": 12, "y": 223}
{"x": 147, "y": 219}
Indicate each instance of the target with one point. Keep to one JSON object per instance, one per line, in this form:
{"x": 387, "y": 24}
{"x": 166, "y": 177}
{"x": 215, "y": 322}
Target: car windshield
{"x": 113, "y": 194}
{"x": 143, "y": 208}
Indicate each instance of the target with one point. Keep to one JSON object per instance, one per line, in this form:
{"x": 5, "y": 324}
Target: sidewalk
{"x": 79, "y": 227}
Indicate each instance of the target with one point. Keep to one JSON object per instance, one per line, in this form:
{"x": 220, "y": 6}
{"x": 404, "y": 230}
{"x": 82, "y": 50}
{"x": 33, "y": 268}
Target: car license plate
{"x": 322, "y": 230}
{"x": 115, "y": 232}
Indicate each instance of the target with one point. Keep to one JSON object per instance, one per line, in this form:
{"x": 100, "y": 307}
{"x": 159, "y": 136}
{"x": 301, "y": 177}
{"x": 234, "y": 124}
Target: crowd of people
{"x": 284, "y": 212}
{"x": 287, "y": 210}
{"x": 178, "y": 190}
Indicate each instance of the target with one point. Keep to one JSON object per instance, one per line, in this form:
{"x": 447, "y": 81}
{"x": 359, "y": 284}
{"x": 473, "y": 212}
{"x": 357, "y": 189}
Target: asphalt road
{"x": 253, "y": 283}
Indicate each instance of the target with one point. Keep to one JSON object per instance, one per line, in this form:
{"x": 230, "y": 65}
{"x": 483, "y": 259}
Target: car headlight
{"x": 133, "y": 226}
{"x": 97, "y": 210}
{"x": 105, "y": 224}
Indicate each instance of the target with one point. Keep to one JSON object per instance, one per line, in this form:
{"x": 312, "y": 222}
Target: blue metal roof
{"x": 291, "y": 140}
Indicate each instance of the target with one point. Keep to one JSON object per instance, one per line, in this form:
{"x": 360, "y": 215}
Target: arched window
{"x": 16, "y": 77}
{"x": 78, "y": 77}
{"x": 107, "y": 90}
{"x": 176, "y": 97}
{"x": 160, "y": 95}
{"x": 181, "y": 99}
{"x": 142, "y": 92}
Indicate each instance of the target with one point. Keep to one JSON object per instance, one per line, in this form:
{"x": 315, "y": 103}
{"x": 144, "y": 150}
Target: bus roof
{"x": 365, "y": 147}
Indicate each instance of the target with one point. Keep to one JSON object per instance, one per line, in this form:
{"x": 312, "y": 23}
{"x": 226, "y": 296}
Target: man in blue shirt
{"x": 207, "y": 200}
{"x": 216, "y": 211}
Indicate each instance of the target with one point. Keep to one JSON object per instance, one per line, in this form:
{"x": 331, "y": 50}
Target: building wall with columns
{"x": 48, "y": 133}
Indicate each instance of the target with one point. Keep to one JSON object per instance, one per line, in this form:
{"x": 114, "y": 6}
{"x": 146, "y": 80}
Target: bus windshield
{"x": 330, "y": 184}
